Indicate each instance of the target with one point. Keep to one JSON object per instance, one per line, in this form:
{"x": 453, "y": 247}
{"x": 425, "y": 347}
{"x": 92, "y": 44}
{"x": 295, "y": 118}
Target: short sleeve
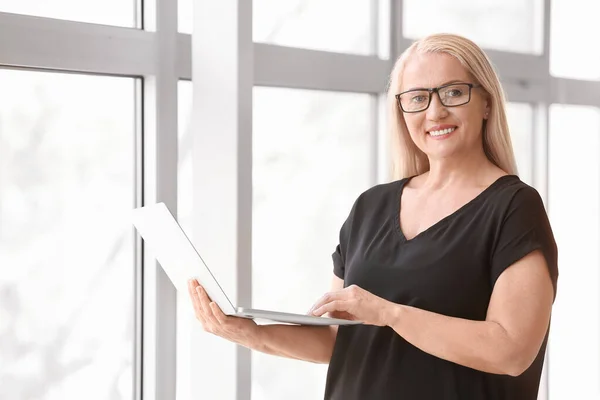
{"x": 339, "y": 255}
{"x": 525, "y": 228}
{"x": 338, "y": 262}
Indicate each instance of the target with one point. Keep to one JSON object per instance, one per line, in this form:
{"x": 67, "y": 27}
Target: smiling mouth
{"x": 442, "y": 132}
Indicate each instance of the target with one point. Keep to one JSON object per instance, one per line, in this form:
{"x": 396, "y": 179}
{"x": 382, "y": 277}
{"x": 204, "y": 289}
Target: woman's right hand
{"x": 235, "y": 329}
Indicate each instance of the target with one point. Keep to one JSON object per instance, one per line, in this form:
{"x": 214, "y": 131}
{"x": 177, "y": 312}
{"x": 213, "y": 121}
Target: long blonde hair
{"x": 407, "y": 158}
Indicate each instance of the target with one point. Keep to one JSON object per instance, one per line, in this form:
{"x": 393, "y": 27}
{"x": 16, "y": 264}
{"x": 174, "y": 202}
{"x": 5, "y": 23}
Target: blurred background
{"x": 258, "y": 122}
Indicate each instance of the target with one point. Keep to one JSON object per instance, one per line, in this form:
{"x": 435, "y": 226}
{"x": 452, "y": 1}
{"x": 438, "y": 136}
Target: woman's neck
{"x": 459, "y": 171}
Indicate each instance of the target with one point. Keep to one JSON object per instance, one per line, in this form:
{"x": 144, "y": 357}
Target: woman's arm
{"x": 508, "y": 340}
{"x": 307, "y": 343}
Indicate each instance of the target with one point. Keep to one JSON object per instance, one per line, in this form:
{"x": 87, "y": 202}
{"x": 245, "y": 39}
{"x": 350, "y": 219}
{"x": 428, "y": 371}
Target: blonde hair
{"x": 407, "y": 158}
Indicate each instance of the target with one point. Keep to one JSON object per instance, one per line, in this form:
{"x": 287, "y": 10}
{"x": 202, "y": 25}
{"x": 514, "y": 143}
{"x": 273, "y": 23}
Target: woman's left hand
{"x": 355, "y": 302}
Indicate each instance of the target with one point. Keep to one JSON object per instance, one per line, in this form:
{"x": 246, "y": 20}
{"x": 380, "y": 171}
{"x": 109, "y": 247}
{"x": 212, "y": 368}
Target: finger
{"x": 192, "y": 283}
{"x": 326, "y": 298}
{"x": 323, "y": 300}
{"x": 340, "y": 315}
{"x": 333, "y": 306}
{"x": 197, "y": 306}
{"x": 218, "y": 313}
{"x": 205, "y": 304}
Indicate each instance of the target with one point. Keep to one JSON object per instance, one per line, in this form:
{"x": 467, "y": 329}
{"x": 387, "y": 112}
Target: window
{"x": 509, "y": 25}
{"x": 311, "y": 160}
{"x": 107, "y": 12}
{"x": 185, "y": 313}
{"x": 185, "y": 141}
{"x": 333, "y": 25}
{"x": 185, "y": 16}
{"x": 520, "y": 121}
{"x": 67, "y": 185}
{"x": 573, "y": 24}
{"x": 574, "y": 198}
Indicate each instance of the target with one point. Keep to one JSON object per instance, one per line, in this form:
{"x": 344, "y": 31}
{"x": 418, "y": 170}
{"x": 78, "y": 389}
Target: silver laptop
{"x": 166, "y": 240}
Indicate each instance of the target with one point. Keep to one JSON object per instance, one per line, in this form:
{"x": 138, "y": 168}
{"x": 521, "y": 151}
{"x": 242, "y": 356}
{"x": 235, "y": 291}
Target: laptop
{"x": 168, "y": 243}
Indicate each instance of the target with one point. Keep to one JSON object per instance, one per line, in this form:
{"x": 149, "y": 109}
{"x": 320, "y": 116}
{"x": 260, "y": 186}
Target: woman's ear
{"x": 487, "y": 109}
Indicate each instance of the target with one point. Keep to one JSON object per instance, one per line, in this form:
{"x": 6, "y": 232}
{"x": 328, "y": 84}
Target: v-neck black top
{"x": 450, "y": 269}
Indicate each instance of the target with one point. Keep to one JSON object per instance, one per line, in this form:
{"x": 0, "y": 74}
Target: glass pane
{"x": 106, "y": 12}
{"x": 308, "y": 24}
{"x": 184, "y": 173}
{"x": 67, "y": 185}
{"x": 509, "y": 25}
{"x": 520, "y": 121}
{"x": 311, "y": 159}
{"x": 185, "y": 16}
{"x": 574, "y": 199}
{"x": 572, "y": 22}
{"x": 185, "y": 314}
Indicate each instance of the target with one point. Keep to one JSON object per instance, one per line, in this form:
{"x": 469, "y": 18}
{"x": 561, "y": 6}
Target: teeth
{"x": 442, "y": 132}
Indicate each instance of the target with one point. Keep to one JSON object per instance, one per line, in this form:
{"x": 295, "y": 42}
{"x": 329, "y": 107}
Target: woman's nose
{"x": 436, "y": 109}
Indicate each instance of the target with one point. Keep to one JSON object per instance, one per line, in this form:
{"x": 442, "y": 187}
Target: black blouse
{"x": 450, "y": 269}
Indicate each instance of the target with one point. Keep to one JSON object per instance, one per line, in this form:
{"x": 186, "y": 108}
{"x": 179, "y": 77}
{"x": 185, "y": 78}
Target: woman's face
{"x": 441, "y": 131}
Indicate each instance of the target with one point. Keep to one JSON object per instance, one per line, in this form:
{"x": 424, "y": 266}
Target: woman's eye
{"x": 454, "y": 93}
{"x": 418, "y": 99}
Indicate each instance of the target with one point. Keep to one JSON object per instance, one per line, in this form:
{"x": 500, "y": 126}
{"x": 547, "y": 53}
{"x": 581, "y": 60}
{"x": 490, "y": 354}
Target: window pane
{"x": 311, "y": 159}
{"x": 308, "y": 24}
{"x": 509, "y": 25}
{"x": 520, "y": 121}
{"x": 67, "y": 185}
{"x": 185, "y": 16}
{"x": 572, "y": 22}
{"x": 184, "y": 172}
{"x": 107, "y": 12}
{"x": 574, "y": 198}
{"x": 185, "y": 314}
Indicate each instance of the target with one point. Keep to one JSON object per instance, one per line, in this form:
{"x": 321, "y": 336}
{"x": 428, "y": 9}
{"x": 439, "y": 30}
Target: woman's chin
{"x": 441, "y": 150}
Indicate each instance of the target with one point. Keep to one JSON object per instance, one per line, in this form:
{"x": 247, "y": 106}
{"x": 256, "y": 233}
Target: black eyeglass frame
{"x": 436, "y": 90}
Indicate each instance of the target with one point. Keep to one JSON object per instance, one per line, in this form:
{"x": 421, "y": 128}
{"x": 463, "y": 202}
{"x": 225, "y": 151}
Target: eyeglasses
{"x": 451, "y": 95}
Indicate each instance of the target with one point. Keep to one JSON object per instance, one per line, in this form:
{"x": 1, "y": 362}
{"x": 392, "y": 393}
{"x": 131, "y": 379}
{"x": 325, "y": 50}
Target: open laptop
{"x": 166, "y": 240}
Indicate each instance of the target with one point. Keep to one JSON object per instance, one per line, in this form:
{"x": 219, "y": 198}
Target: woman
{"x": 452, "y": 267}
